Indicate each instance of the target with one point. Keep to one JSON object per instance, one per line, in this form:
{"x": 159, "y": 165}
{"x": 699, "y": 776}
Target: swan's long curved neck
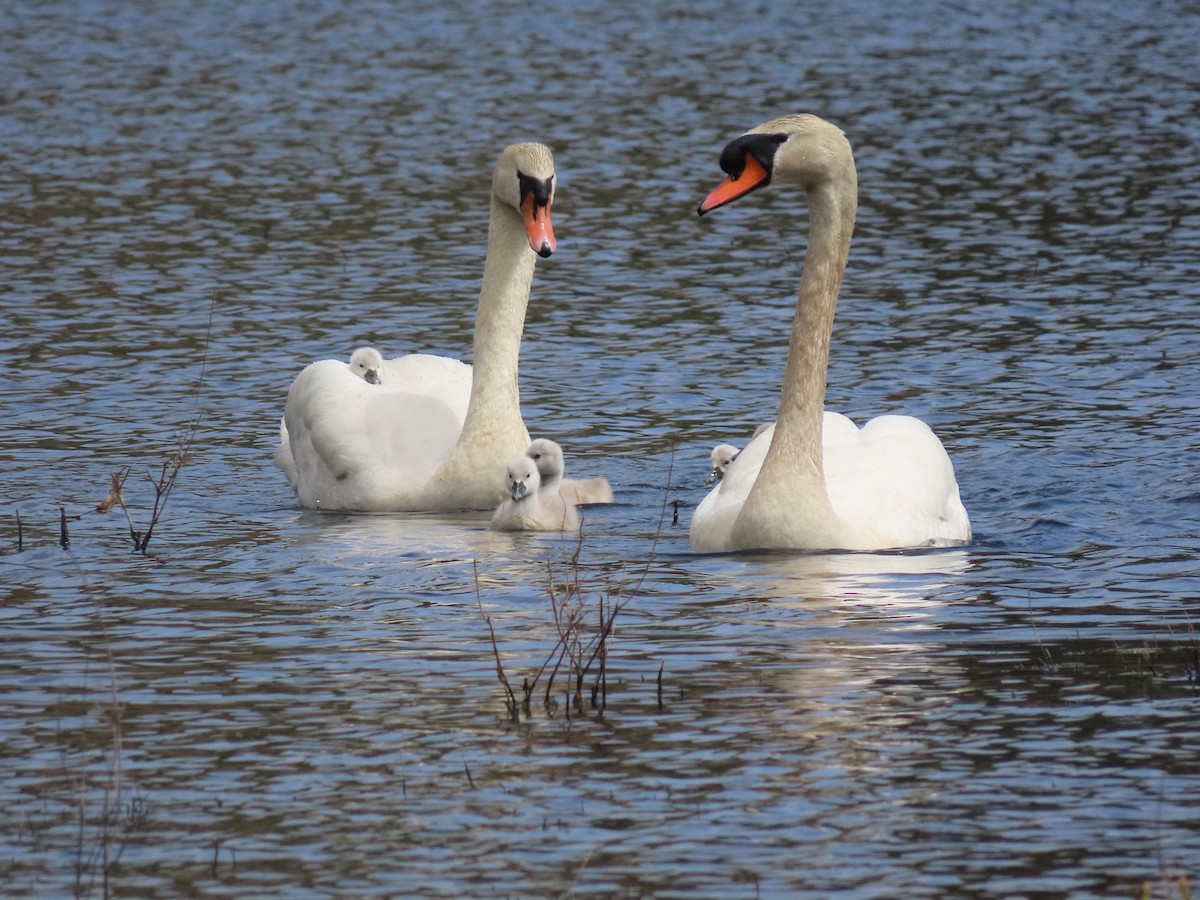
{"x": 789, "y": 493}
{"x": 500, "y": 321}
{"x": 802, "y": 401}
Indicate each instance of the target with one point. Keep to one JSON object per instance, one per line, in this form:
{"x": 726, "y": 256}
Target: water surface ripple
{"x": 198, "y": 199}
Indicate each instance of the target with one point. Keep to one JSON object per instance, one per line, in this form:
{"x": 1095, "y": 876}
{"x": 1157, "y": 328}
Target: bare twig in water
{"x": 1047, "y": 658}
{"x": 581, "y": 654}
{"x": 510, "y": 698}
{"x": 164, "y": 481}
{"x": 115, "y": 819}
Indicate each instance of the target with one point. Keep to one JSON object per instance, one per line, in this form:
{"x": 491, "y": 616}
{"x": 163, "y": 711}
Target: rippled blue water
{"x": 198, "y": 199}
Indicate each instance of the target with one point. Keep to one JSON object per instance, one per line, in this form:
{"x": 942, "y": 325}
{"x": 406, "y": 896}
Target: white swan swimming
{"x": 722, "y": 455}
{"x": 435, "y": 434}
{"x": 815, "y": 481}
{"x": 551, "y": 465}
{"x": 366, "y": 362}
{"x": 533, "y": 504}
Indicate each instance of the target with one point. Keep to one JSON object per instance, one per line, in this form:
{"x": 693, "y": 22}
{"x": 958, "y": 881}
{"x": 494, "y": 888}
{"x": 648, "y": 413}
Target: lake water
{"x": 197, "y": 199}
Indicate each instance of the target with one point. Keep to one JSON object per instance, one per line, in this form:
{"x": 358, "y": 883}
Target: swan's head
{"x": 524, "y": 180}
{"x": 801, "y": 150}
{"x": 721, "y": 457}
{"x": 365, "y": 362}
{"x": 548, "y": 456}
{"x": 522, "y": 478}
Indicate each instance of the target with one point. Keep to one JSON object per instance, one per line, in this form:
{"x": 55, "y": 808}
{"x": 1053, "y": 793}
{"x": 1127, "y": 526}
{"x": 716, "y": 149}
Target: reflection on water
{"x": 199, "y": 201}
{"x": 908, "y": 580}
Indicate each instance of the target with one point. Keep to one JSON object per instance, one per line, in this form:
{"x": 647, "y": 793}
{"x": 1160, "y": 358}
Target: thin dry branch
{"x": 164, "y": 481}
{"x": 511, "y": 698}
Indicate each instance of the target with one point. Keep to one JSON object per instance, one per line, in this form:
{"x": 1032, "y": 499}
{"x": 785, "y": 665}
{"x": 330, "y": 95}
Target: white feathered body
{"x": 890, "y": 483}
{"x": 350, "y": 445}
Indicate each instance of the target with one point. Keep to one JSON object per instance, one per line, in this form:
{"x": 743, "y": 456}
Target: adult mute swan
{"x": 533, "y": 504}
{"x": 815, "y": 481}
{"x": 549, "y": 458}
{"x": 365, "y": 362}
{"x": 435, "y": 434}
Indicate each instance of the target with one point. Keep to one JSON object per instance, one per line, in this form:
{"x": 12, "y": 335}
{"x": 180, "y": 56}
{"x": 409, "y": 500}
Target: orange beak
{"x": 753, "y": 175}
{"x": 537, "y": 227}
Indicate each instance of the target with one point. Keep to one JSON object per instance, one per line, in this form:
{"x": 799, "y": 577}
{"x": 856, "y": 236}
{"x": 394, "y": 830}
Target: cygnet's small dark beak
{"x": 519, "y": 490}
{"x": 713, "y": 476}
{"x": 372, "y": 377}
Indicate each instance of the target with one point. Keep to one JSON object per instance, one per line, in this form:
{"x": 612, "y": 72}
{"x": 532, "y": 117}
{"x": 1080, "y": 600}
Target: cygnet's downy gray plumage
{"x": 531, "y": 504}
{"x": 551, "y": 465}
{"x": 366, "y": 363}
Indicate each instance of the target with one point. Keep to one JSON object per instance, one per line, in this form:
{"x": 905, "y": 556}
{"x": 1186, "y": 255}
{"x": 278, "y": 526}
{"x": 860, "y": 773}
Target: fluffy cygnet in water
{"x": 549, "y": 458}
{"x": 532, "y": 505}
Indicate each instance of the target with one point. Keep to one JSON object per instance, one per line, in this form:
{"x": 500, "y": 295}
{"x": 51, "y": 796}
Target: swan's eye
{"x": 540, "y": 188}
{"x": 761, "y": 146}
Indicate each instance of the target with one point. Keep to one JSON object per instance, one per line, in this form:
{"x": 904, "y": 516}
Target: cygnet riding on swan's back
{"x": 365, "y": 362}
{"x": 815, "y": 481}
{"x": 551, "y": 465}
{"x": 724, "y": 454}
{"x": 534, "y": 503}
{"x": 721, "y": 457}
{"x": 435, "y": 434}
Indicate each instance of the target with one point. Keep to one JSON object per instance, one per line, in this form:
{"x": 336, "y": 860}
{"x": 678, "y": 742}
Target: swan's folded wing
{"x": 439, "y": 377}
{"x": 283, "y": 454}
{"x": 355, "y": 445}
{"x": 894, "y": 476}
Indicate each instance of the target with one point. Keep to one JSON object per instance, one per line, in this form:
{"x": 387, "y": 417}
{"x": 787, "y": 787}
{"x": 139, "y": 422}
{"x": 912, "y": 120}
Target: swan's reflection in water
{"x": 423, "y": 552}
{"x": 833, "y": 654}
{"x": 902, "y": 580}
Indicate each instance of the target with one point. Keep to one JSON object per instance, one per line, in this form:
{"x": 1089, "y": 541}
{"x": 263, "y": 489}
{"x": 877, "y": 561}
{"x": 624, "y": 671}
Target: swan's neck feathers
{"x": 789, "y": 504}
{"x": 493, "y": 428}
{"x": 500, "y": 321}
